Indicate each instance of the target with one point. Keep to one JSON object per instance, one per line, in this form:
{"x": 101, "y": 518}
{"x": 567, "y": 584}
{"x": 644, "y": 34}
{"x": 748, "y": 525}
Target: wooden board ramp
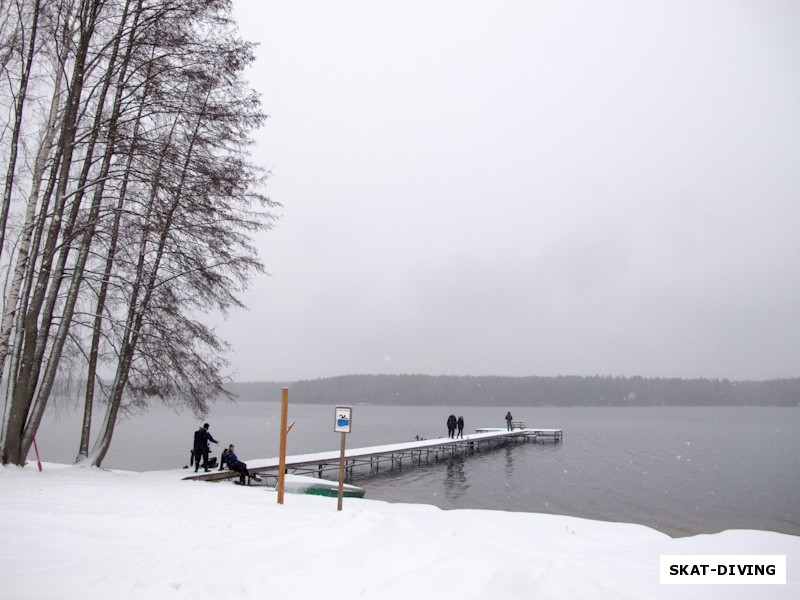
{"x": 371, "y": 459}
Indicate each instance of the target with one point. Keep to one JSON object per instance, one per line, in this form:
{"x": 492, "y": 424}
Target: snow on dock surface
{"x": 418, "y": 450}
{"x": 72, "y": 533}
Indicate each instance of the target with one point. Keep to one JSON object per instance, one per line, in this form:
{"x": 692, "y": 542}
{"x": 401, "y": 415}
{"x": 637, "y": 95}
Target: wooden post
{"x": 343, "y": 418}
{"x": 284, "y": 433}
{"x": 341, "y": 473}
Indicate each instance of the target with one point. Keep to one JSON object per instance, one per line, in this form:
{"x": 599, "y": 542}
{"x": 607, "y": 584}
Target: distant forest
{"x": 413, "y": 390}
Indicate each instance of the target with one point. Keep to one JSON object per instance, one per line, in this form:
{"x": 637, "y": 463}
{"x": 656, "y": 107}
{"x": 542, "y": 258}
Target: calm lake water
{"x": 680, "y": 470}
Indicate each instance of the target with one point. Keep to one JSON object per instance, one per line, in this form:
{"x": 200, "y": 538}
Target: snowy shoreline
{"x": 72, "y": 532}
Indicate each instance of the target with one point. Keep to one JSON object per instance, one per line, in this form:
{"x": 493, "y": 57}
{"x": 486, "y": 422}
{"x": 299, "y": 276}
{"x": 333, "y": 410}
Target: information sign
{"x": 343, "y": 419}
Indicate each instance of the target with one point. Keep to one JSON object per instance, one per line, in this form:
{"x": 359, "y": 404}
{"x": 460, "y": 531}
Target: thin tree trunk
{"x": 26, "y": 379}
{"x": 97, "y": 329}
{"x": 137, "y": 310}
{"x": 22, "y": 93}
{"x": 23, "y": 252}
{"x": 43, "y": 393}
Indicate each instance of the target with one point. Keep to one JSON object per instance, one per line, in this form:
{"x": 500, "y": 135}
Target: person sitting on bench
{"x": 234, "y": 464}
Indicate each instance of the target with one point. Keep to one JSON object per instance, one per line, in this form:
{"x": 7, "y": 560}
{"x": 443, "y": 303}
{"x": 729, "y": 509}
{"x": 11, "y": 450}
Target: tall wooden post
{"x": 342, "y": 421}
{"x": 284, "y": 433}
{"x": 341, "y": 473}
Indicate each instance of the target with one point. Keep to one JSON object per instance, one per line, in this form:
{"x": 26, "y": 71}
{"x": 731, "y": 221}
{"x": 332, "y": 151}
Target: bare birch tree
{"x": 139, "y": 213}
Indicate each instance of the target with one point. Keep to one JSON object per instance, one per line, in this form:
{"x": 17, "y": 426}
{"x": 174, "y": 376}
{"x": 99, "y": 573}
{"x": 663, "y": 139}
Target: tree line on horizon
{"x": 417, "y": 390}
{"x": 129, "y": 205}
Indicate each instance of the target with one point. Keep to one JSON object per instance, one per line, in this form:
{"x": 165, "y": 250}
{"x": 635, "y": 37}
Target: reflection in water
{"x": 509, "y": 460}
{"x": 455, "y": 481}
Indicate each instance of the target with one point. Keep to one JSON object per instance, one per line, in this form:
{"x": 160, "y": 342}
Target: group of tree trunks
{"x": 129, "y": 205}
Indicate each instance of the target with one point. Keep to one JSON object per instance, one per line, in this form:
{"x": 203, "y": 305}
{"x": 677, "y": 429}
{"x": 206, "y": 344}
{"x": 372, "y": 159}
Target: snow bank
{"x": 85, "y": 533}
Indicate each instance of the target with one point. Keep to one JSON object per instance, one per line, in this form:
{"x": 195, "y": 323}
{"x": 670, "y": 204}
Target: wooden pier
{"x": 371, "y": 459}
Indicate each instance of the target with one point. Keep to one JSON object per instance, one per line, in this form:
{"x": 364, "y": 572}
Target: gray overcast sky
{"x": 526, "y": 188}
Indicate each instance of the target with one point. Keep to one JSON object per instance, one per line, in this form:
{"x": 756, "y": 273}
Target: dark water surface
{"x": 680, "y": 470}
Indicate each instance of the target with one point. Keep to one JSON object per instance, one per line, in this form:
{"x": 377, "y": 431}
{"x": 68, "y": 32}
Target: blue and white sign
{"x": 343, "y": 419}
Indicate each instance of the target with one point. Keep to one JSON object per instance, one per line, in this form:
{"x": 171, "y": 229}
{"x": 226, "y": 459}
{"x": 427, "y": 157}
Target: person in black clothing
{"x": 460, "y": 424}
{"x": 201, "y": 439}
{"x": 509, "y": 418}
{"x": 234, "y": 464}
{"x": 451, "y": 426}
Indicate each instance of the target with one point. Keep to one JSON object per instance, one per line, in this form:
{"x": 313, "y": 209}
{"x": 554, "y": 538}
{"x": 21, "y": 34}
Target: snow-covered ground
{"x": 84, "y": 533}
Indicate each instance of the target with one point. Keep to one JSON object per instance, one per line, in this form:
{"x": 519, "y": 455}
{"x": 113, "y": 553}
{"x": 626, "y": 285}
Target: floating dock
{"x": 390, "y": 456}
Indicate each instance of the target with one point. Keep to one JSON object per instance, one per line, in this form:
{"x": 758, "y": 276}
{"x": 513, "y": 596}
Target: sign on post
{"x": 343, "y": 417}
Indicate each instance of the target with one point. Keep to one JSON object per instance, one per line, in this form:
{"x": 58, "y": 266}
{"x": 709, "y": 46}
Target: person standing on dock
{"x": 451, "y": 426}
{"x": 460, "y": 424}
{"x": 509, "y": 418}
{"x": 201, "y": 439}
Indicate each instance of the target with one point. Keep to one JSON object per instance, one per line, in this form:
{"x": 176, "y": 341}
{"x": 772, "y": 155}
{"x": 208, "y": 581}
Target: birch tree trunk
{"x": 24, "y": 247}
